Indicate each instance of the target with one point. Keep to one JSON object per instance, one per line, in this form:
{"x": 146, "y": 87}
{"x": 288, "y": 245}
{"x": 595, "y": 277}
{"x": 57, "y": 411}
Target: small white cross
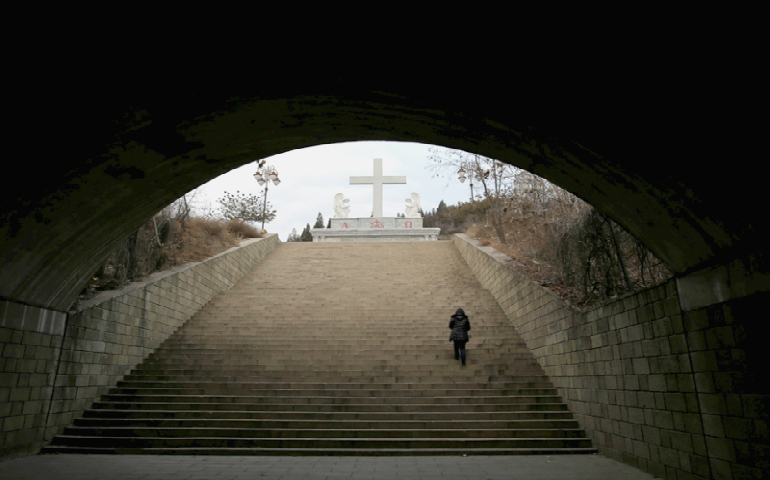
{"x": 377, "y": 180}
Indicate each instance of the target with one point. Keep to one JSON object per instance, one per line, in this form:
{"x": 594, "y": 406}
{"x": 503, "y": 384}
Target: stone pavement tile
{"x": 151, "y": 467}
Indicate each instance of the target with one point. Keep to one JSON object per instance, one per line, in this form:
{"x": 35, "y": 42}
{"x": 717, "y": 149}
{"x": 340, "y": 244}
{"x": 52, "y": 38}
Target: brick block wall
{"x": 727, "y": 344}
{"x": 667, "y": 391}
{"x": 30, "y": 340}
{"x": 54, "y": 365}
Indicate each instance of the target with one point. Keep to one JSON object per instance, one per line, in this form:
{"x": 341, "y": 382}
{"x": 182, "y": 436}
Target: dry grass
{"x": 243, "y": 230}
{"x": 201, "y": 238}
{"x": 165, "y": 242}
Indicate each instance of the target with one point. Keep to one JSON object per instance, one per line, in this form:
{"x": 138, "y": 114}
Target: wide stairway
{"x": 337, "y": 349}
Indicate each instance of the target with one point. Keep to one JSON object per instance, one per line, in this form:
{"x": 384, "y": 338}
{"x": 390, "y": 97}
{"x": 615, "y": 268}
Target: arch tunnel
{"x": 100, "y": 146}
{"x": 59, "y": 225}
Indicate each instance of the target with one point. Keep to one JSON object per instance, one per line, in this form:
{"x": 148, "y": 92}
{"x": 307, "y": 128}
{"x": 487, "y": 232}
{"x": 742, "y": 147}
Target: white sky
{"x": 310, "y": 177}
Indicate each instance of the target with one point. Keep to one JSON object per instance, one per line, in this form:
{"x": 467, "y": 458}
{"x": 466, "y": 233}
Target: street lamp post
{"x": 264, "y": 176}
{"x": 471, "y": 173}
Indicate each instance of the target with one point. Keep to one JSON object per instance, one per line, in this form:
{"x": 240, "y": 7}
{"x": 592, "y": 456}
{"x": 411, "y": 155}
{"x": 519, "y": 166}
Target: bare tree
{"x": 246, "y": 208}
{"x": 495, "y": 177}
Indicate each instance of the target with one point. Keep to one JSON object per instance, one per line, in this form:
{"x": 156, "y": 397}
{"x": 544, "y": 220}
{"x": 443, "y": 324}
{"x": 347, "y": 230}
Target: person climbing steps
{"x": 460, "y": 324}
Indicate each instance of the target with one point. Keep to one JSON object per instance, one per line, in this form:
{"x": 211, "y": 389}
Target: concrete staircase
{"x": 337, "y": 349}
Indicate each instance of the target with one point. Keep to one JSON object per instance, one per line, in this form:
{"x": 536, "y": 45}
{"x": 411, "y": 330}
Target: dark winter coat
{"x": 460, "y": 324}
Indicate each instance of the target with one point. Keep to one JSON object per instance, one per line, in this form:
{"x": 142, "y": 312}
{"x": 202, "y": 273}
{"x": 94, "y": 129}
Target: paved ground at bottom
{"x": 183, "y": 467}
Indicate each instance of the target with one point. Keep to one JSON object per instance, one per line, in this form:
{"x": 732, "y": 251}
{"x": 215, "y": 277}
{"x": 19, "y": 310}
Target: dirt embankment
{"x": 585, "y": 261}
{"x": 162, "y": 243}
{"x": 522, "y": 246}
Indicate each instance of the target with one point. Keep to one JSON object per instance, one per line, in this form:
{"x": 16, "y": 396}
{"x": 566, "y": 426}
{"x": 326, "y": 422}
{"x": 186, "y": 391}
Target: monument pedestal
{"x": 371, "y": 229}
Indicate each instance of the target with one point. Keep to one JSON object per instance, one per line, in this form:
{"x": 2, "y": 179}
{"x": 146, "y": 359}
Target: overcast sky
{"x": 310, "y": 178}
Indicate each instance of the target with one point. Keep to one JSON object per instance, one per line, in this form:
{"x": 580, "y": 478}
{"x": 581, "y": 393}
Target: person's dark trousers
{"x": 460, "y": 349}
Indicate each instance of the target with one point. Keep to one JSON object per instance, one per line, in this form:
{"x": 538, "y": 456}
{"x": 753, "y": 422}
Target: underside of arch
{"x": 105, "y": 145}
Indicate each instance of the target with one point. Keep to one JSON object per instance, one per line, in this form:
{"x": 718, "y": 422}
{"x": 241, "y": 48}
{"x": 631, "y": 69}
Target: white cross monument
{"x": 377, "y": 180}
{"x": 376, "y": 228}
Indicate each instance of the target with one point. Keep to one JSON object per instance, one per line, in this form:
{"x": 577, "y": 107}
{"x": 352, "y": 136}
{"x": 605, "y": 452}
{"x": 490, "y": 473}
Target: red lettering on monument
{"x": 408, "y": 225}
{"x": 376, "y": 224}
{"x": 344, "y": 225}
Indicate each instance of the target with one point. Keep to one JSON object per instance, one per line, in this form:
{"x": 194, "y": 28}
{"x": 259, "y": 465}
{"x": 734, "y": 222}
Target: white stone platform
{"x": 370, "y": 229}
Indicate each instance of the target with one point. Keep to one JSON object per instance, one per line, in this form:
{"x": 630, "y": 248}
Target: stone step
{"x": 350, "y": 353}
{"x": 333, "y": 374}
{"x": 539, "y": 410}
{"x": 329, "y": 362}
{"x": 300, "y": 311}
{"x": 185, "y": 382}
{"x": 318, "y": 433}
{"x": 229, "y": 411}
{"x": 340, "y": 331}
{"x": 394, "y": 382}
{"x": 247, "y": 339}
{"x": 335, "y": 400}
{"x": 286, "y": 337}
{"x": 283, "y": 451}
{"x": 256, "y": 335}
{"x": 415, "y": 375}
{"x": 411, "y": 345}
{"x": 321, "y": 424}
{"x": 350, "y": 348}
{"x": 320, "y": 442}
{"x": 286, "y": 392}
{"x": 425, "y": 367}
{"x": 353, "y": 353}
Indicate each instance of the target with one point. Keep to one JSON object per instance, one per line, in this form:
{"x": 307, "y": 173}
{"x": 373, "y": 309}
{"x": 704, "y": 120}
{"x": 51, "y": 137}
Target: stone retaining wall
{"x": 667, "y": 391}
{"x": 43, "y": 386}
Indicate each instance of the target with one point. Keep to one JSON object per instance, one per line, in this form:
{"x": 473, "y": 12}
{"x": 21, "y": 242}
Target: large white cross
{"x": 377, "y": 180}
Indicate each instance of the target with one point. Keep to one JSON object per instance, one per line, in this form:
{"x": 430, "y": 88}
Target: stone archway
{"x": 55, "y": 233}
